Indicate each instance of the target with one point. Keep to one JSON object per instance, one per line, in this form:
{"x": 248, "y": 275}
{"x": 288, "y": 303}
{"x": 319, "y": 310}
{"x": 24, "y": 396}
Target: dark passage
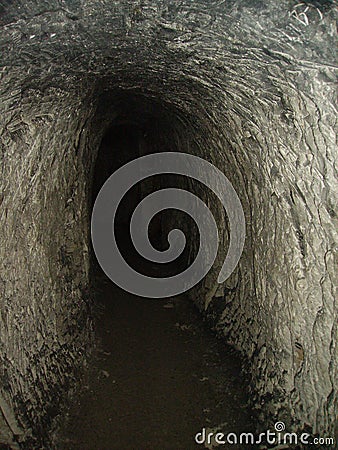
{"x": 159, "y": 374}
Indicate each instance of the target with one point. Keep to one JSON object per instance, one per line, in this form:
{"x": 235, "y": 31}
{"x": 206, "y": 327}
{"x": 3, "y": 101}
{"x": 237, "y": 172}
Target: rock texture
{"x": 248, "y": 85}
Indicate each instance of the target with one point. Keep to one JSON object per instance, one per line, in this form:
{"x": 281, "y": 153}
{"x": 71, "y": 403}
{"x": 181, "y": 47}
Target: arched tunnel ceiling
{"x": 149, "y": 45}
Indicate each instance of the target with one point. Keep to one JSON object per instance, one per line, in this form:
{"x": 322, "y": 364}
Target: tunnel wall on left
{"x": 45, "y": 327}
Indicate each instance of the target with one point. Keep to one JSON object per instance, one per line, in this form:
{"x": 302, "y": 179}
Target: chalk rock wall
{"x": 245, "y": 84}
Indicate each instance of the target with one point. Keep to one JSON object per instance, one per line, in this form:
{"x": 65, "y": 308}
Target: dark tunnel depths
{"x": 160, "y": 374}
{"x": 122, "y": 143}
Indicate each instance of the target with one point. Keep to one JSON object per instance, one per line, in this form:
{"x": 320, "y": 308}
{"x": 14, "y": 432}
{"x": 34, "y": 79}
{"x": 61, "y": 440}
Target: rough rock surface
{"x": 248, "y": 85}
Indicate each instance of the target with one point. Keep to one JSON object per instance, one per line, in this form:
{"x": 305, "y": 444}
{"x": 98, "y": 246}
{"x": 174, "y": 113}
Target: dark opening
{"x": 159, "y": 375}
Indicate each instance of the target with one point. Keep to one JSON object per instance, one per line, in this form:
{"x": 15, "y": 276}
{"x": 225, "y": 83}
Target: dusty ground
{"x": 158, "y": 378}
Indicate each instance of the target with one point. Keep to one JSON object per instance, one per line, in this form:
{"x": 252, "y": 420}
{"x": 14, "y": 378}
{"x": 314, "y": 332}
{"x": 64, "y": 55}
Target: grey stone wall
{"x": 245, "y": 84}
{"x": 44, "y": 321}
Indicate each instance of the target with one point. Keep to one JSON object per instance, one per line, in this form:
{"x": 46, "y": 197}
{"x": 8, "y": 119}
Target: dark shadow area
{"x": 121, "y": 144}
{"x": 159, "y": 375}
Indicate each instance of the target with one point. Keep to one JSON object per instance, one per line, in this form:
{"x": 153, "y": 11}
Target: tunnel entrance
{"x": 159, "y": 375}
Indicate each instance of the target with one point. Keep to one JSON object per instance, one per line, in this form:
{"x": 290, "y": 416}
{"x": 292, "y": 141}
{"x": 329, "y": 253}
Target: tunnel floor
{"x": 158, "y": 377}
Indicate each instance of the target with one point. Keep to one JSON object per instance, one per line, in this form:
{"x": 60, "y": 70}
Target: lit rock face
{"x": 245, "y": 84}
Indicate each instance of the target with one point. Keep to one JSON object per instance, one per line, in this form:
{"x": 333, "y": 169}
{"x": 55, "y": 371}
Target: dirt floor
{"x": 159, "y": 376}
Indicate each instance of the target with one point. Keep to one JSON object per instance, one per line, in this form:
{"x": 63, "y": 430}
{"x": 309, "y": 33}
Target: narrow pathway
{"x": 159, "y": 377}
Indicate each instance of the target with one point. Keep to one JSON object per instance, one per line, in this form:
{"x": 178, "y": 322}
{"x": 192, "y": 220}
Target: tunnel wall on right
{"x": 278, "y": 307}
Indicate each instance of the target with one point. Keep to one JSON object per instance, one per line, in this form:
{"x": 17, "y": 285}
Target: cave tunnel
{"x": 88, "y": 87}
